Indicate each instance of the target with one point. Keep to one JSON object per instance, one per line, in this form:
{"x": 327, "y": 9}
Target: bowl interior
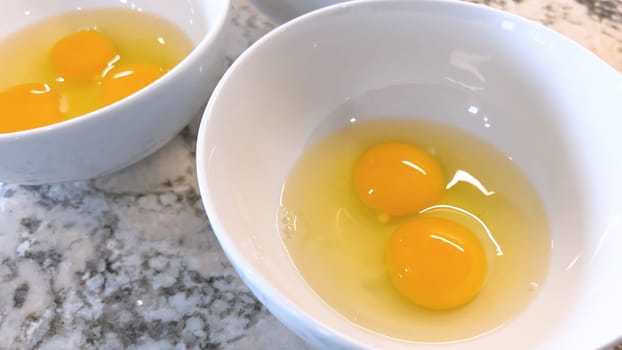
{"x": 538, "y": 97}
{"x": 124, "y": 132}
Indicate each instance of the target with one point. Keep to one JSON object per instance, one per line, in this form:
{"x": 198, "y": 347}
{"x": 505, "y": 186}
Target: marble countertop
{"x": 130, "y": 261}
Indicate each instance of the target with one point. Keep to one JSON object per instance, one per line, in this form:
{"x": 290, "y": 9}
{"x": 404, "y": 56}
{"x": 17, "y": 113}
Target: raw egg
{"x": 85, "y": 60}
{"x": 449, "y": 263}
{"x": 125, "y": 80}
{"x": 82, "y": 56}
{"x": 397, "y": 178}
{"x": 29, "y": 106}
{"x": 436, "y": 263}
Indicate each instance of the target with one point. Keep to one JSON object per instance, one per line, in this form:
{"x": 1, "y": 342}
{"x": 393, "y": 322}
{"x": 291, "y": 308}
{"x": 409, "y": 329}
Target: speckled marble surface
{"x": 130, "y": 261}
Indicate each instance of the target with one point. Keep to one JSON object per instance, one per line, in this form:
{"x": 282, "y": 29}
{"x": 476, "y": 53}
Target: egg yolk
{"x": 28, "y": 106}
{"x": 125, "y": 80}
{"x": 435, "y": 263}
{"x": 83, "y": 55}
{"x": 397, "y": 178}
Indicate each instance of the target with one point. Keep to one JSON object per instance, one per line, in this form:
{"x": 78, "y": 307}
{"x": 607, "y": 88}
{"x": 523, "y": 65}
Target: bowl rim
{"x": 206, "y": 41}
{"x": 281, "y": 303}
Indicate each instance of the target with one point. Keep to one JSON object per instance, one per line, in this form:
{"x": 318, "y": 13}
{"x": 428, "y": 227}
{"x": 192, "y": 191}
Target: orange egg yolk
{"x": 83, "y": 55}
{"x": 435, "y": 263}
{"x": 125, "y": 80}
{"x": 397, "y": 178}
{"x": 28, "y": 106}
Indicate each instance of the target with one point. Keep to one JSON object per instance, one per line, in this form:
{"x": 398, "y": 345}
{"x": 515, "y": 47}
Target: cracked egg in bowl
{"x": 414, "y": 175}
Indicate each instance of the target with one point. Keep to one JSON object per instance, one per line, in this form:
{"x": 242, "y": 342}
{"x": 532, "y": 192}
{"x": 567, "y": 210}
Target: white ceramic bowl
{"x": 281, "y": 11}
{"x": 125, "y": 132}
{"x": 537, "y": 96}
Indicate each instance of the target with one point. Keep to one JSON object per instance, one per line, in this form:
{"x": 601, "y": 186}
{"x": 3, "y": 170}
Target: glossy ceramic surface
{"x": 281, "y": 11}
{"x": 546, "y": 102}
{"x": 125, "y": 132}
